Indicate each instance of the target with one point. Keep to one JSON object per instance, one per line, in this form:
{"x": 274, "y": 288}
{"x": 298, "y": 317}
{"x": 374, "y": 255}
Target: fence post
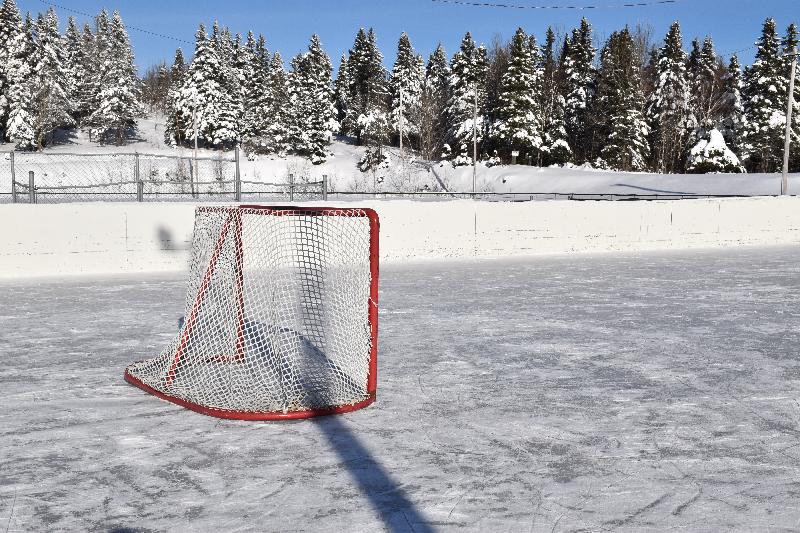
{"x": 13, "y": 180}
{"x": 237, "y": 177}
{"x": 137, "y": 177}
{"x": 191, "y": 178}
{"x": 291, "y": 187}
{"x": 31, "y": 188}
{"x": 324, "y": 187}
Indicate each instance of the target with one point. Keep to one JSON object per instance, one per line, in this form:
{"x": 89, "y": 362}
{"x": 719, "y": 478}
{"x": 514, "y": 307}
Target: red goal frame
{"x": 235, "y": 218}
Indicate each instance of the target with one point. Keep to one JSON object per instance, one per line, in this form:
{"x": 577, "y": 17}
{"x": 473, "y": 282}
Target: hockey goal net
{"x": 281, "y": 315}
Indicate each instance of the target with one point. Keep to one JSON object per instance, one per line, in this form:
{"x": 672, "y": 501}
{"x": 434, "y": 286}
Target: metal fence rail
{"x": 522, "y": 196}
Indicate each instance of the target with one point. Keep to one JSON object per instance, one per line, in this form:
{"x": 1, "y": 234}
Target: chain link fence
{"x": 33, "y": 177}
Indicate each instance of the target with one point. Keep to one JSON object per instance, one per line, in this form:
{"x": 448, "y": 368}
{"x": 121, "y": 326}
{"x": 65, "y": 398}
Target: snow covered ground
{"x": 408, "y": 174}
{"x": 631, "y": 392}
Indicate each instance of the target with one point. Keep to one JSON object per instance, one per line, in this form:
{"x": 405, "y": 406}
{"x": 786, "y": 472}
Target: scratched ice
{"x": 638, "y": 392}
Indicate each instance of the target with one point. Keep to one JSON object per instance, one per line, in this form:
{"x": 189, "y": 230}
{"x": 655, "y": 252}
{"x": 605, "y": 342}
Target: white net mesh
{"x": 277, "y": 313}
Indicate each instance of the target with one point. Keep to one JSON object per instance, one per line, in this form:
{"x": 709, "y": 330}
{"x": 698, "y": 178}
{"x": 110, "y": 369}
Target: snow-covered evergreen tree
{"x": 341, "y": 95}
{"x": 21, "y": 125}
{"x": 555, "y": 149}
{"x": 277, "y": 131}
{"x": 119, "y": 98}
{"x": 408, "y": 77}
{"x": 711, "y": 155}
{"x": 668, "y": 111}
{"x": 313, "y": 114}
{"x": 790, "y": 47}
{"x": 765, "y": 105}
{"x": 201, "y": 96}
{"x": 368, "y": 93}
{"x": 435, "y": 94}
{"x": 51, "y": 90}
{"x": 733, "y": 109}
{"x": 75, "y": 63}
{"x": 267, "y": 111}
{"x": 229, "y": 108}
{"x": 177, "y": 120}
{"x": 619, "y": 102}
{"x": 705, "y": 75}
{"x": 85, "y": 88}
{"x": 10, "y": 29}
{"x": 254, "y": 71}
{"x": 519, "y": 126}
{"x": 467, "y": 84}
{"x": 97, "y": 52}
{"x": 579, "y": 89}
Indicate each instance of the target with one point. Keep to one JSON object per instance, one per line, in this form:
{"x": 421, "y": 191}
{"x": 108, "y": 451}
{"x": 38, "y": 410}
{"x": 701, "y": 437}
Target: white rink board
{"x": 116, "y": 238}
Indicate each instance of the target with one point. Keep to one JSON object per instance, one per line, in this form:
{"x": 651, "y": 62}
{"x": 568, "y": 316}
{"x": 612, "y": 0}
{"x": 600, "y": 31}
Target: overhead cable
{"x": 134, "y": 28}
{"x": 573, "y": 7}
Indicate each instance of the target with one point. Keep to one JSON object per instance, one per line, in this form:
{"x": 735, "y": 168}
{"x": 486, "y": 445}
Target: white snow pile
{"x": 711, "y": 154}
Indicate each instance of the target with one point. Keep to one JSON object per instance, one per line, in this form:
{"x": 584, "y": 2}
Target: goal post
{"x": 281, "y": 315}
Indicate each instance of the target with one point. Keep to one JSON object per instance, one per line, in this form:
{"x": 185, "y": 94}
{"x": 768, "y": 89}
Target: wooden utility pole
{"x": 788, "y": 141}
{"x": 475, "y": 142}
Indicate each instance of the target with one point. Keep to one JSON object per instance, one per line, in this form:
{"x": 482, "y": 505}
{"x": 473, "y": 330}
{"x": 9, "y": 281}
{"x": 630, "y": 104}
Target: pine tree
{"x": 341, "y": 94}
{"x": 313, "y": 116}
{"x": 254, "y": 71}
{"x": 765, "y": 109}
{"x": 10, "y": 29}
{"x": 408, "y": 77}
{"x": 85, "y": 89}
{"x": 177, "y": 120}
{"x": 119, "y": 98}
{"x": 519, "y": 126}
{"x": 790, "y": 47}
{"x": 668, "y": 107}
{"x": 201, "y": 95}
{"x": 252, "y": 81}
{"x": 497, "y": 61}
{"x": 229, "y": 110}
{"x": 620, "y": 101}
{"x": 733, "y": 105}
{"x": 277, "y": 131}
{"x": 160, "y": 91}
{"x": 51, "y": 96}
{"x": 97, "y": 56}
{"x": 710, "y": 154}
{"x": 705, "y": 76}
{"x": 579, "y": 90}
{"x": 650, "y": 73}
{"x": 368, "y": 93}
{"x": 75, "y": 63}
{"x": 555, "y": 149}
{"x": 435, "y": 94}
{"x": 21, "y": 126}
{"x": 467, "y": 84}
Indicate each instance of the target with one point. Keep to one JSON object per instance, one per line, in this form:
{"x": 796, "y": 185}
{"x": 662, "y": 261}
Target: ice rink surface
{"x": 636, "y": 392}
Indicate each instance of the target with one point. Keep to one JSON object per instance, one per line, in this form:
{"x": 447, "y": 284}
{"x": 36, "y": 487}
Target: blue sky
{"x": 287, "y": 24}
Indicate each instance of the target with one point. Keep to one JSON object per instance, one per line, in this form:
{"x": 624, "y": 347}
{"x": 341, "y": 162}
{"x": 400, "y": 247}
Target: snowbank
{"x": 341, "y": 168}
{"x": 75, "y": 239}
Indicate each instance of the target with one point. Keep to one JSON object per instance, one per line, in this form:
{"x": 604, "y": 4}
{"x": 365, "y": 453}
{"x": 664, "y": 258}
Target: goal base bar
{"x": 249, "y": 415}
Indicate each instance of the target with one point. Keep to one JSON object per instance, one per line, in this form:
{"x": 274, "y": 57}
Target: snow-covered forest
{"x": 631, "y": 103}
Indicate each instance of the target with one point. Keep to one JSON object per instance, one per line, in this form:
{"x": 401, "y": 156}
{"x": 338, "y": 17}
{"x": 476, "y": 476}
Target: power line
{"x": 576, "y": 8}
{"x": 134, "y": 28}
{"x": 731, "y": 52}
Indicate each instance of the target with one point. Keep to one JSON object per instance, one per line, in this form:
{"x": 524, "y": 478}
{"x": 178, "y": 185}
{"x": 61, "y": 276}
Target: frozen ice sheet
{"x": 641, "y": 392}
